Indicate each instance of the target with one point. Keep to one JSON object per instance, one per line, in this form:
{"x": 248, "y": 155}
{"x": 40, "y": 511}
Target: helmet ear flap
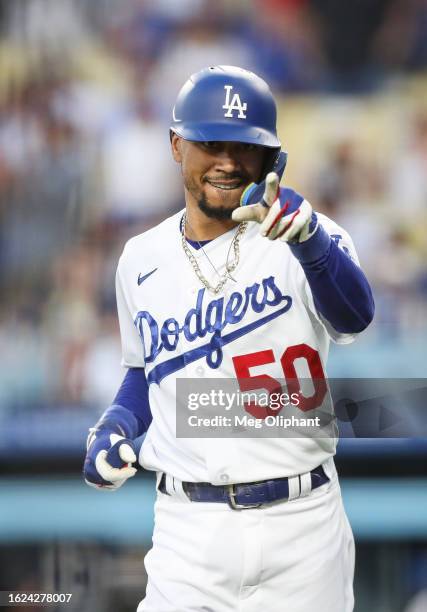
{"x": 254, "y": 191}
{"x": 275, "y": 161}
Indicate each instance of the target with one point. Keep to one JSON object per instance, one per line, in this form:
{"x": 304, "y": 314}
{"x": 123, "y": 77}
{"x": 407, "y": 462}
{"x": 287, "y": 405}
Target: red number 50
{"x": 243, "y": 363}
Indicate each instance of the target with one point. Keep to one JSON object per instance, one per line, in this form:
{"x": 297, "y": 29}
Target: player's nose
{"x": 228, "y": 157}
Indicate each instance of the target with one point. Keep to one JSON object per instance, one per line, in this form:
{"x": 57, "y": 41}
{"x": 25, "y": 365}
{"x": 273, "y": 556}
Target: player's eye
{"x": 210, "y": 144}
{"x": 248, "y": 146}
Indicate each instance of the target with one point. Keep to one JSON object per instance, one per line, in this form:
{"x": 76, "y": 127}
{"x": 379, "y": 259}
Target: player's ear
{"x": 176, "y": 143}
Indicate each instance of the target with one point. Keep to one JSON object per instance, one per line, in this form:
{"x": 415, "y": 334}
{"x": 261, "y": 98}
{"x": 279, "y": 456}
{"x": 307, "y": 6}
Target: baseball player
{"x": 248, "y": 283}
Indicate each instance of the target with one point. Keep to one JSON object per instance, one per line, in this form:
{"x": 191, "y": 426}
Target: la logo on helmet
{"x": 234, "y": 105}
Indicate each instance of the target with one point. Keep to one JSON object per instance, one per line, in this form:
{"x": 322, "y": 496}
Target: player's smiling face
{"x": 216, "y": 173}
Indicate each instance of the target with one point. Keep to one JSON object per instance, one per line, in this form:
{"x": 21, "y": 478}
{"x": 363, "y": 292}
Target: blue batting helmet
{"x": 226, "y": 103}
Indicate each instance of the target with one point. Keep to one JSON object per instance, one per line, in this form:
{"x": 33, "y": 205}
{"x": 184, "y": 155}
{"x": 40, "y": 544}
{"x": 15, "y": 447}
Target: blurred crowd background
{"x": 86, "y": 91}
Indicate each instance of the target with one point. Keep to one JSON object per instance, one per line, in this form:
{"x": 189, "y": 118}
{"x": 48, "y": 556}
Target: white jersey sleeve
{"x": 132, "y": 346}
{"x": 343, "y": 240}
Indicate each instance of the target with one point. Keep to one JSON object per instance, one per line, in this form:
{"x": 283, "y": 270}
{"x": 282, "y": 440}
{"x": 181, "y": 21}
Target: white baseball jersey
{"x": 170, "y": 325}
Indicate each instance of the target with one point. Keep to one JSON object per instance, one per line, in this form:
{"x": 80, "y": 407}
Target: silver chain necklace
{"x": 230, "y": 266}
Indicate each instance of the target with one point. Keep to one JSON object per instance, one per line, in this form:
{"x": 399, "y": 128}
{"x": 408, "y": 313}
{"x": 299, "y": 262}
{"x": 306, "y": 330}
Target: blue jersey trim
{"x": 197, "y": 244}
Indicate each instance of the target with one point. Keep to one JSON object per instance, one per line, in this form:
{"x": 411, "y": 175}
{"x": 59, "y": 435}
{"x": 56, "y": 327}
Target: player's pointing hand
{"x": 282, "y": 213}
{"x": 258, "y": 212}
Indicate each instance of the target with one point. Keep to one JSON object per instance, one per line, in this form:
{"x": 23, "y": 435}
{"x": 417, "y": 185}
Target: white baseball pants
{"x": 291, "y": 556}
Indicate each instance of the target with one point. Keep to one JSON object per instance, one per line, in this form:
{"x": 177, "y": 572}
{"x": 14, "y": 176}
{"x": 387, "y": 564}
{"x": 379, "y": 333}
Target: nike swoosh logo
{"x": 159, "y": 372}
{"x": 141, "y": 279}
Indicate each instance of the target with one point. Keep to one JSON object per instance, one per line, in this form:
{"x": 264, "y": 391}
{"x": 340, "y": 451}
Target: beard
{"x": 215, "y": 212}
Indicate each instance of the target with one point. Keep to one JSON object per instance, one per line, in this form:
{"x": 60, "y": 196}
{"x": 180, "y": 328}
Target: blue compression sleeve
{"x": 133, "y": 395}
{"x": 340, "y": 290}
{"x": 130, "y": 414}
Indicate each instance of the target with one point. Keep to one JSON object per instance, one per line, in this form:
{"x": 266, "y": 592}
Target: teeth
{"x": 222, "y": 186}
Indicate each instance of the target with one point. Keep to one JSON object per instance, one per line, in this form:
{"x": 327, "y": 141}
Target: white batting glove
{"x": 282, "y": 213}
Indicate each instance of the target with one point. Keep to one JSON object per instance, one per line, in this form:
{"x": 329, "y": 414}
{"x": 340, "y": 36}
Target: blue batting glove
{"x": 109, "y": 459}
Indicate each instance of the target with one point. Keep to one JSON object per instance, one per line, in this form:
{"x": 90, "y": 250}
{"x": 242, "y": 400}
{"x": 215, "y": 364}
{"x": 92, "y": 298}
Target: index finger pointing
{"x": 271, "y": 186}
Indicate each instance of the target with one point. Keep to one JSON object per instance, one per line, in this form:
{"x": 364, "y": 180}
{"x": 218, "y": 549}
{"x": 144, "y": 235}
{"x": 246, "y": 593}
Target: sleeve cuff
{"x": 314, "y": 248}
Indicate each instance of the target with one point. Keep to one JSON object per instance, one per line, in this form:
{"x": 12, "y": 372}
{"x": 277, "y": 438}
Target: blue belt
{"x": 245, "y": 495}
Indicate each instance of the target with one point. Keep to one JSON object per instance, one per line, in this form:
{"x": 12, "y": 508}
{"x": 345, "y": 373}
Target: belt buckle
{"x": 232, "y": 501}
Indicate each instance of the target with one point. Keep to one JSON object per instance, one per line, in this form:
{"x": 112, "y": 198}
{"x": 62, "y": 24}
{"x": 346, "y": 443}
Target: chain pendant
{"x": 229, "y": 266}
